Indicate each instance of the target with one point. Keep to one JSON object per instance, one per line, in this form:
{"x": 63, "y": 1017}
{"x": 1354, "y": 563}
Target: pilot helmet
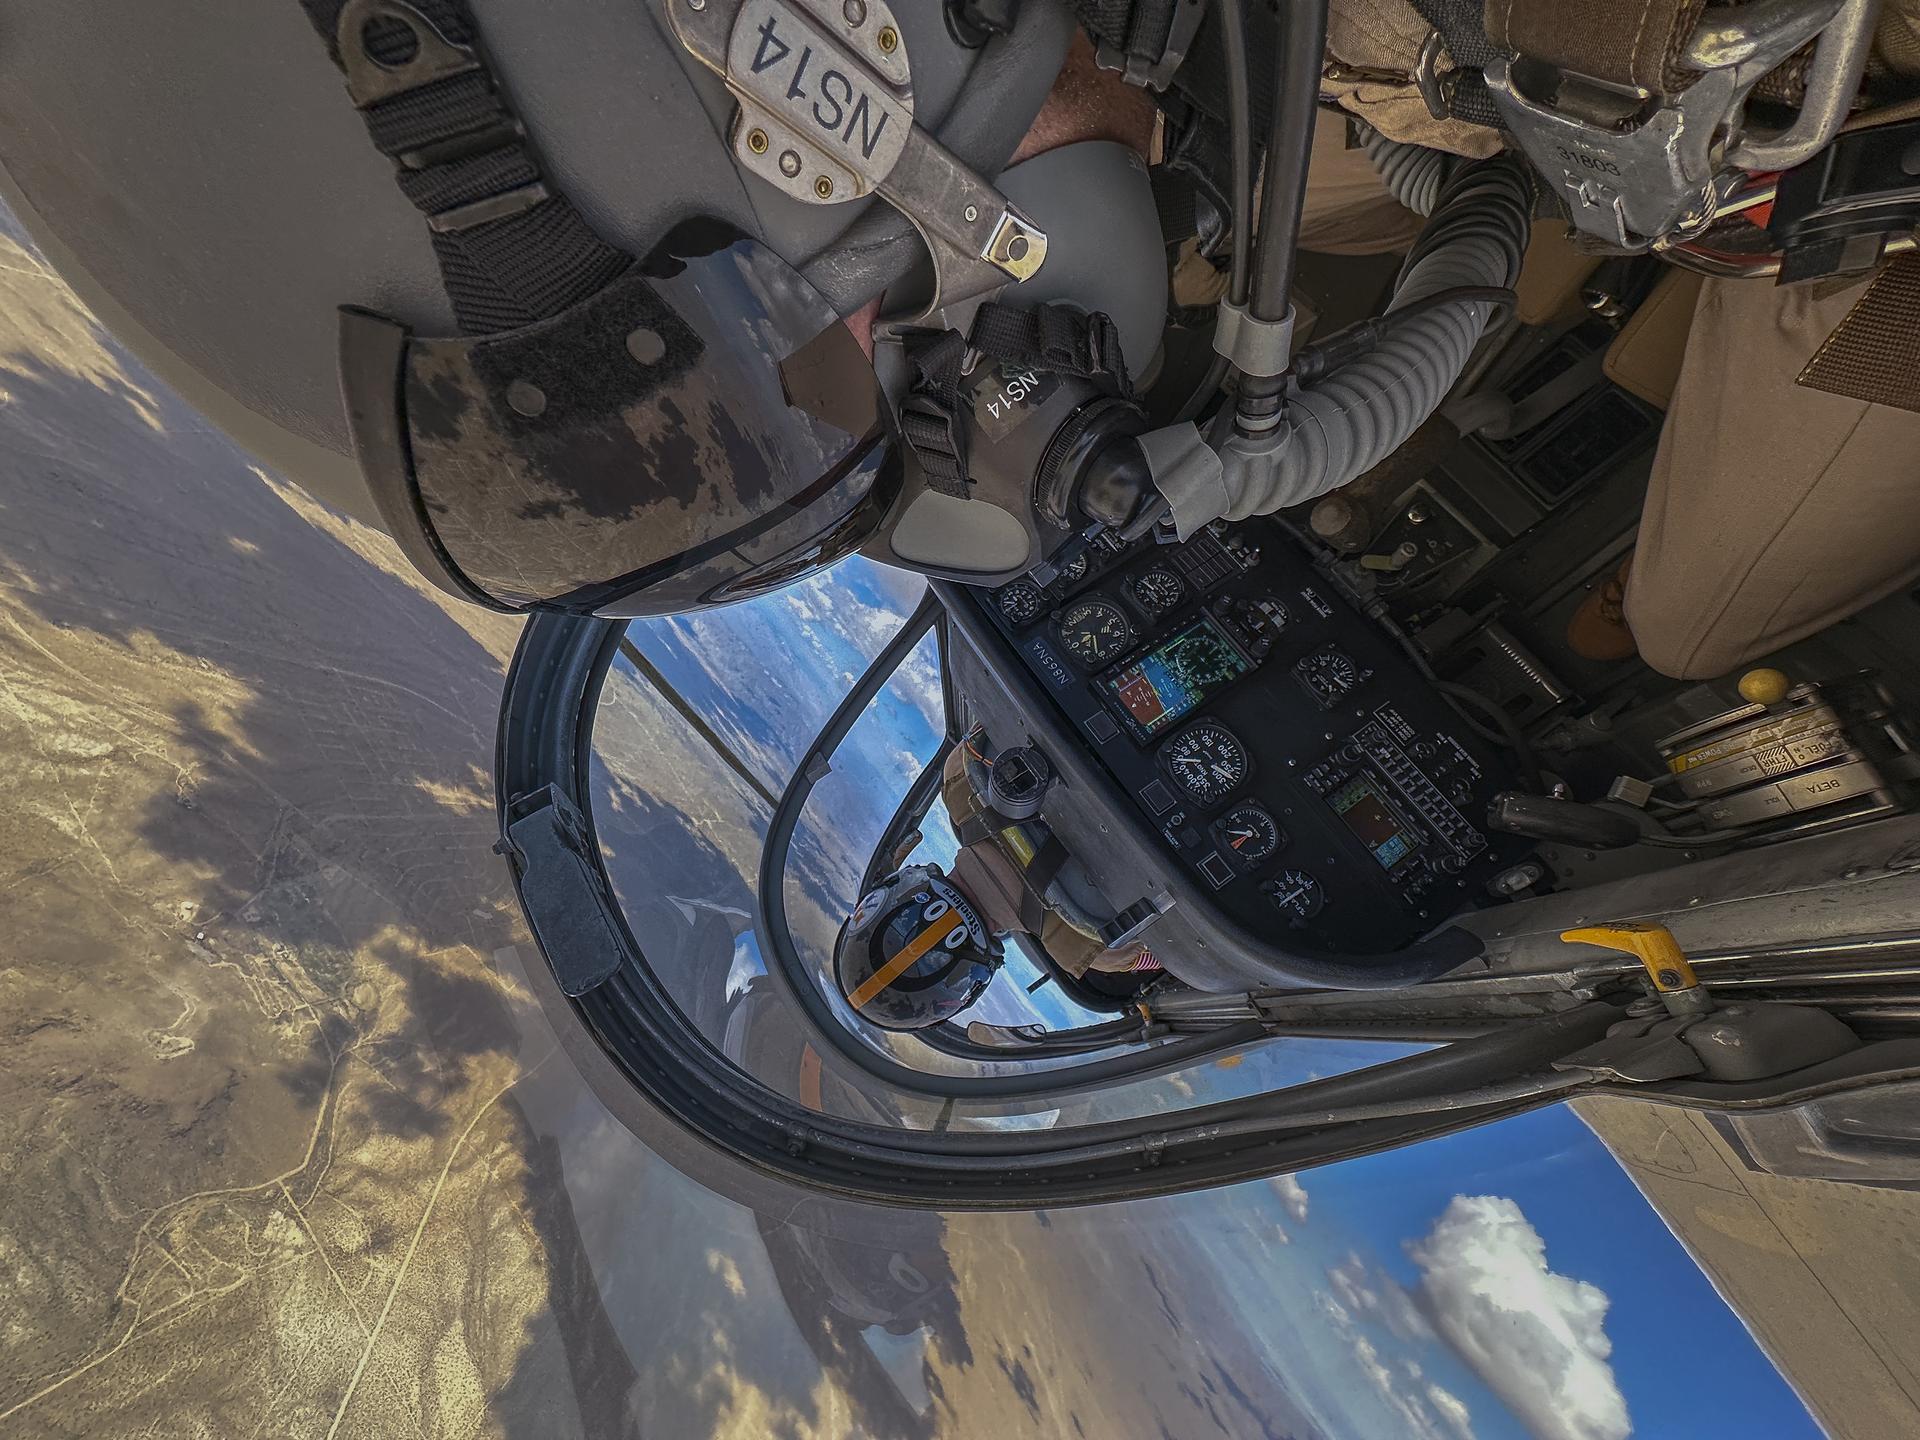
{"x": 915, "y": 952}
{"x": 555, "y": 294}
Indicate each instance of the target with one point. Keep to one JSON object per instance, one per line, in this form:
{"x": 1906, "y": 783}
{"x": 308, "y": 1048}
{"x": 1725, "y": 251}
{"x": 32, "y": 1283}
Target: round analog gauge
{"x": 1249, "y": 834}
{"x": 1094, "y": 631}
{"x": 1297, "y": 893}
{"x": 1207, "y": 762}
{"x": 1020, "y": 601}
{"x": 1158, "y": 590}
{"x": 1329, "y": 674}
{"x": 1075, "y": 570}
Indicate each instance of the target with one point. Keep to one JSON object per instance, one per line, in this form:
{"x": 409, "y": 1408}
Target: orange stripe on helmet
{"x": 937, "y": 931}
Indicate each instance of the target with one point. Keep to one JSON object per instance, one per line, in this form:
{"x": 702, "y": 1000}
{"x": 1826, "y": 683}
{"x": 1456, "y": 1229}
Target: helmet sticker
{"x": 868, "y": 907}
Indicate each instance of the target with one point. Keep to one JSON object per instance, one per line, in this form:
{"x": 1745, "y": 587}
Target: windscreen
{"x": 703, "y": 420}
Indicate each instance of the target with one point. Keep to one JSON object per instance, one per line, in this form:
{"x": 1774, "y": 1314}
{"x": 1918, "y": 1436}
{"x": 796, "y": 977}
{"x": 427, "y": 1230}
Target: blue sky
{"x": 1505, "y": 1283}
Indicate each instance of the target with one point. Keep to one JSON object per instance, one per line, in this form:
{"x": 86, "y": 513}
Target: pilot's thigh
{"x": 1347, "y": 209}
{"x": 1773, "y": 510}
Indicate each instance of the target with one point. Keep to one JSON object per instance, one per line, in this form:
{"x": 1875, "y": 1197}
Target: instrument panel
{"x": 1282, "y": 745}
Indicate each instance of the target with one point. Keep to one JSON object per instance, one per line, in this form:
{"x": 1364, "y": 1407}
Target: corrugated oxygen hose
{"x": 1340, "y": 427}
{"x": 1413, "y": 173}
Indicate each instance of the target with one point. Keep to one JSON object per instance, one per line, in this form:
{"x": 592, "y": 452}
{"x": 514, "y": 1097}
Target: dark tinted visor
{"x": 702, "y": 430}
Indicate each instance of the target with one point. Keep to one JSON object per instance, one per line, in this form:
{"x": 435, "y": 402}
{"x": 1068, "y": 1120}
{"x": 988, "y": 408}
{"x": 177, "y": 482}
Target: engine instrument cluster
{"x": 1284, "y": 747}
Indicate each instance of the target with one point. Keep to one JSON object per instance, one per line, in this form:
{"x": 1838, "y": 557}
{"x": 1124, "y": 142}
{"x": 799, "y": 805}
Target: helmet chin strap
{"x": 512, "y": 249}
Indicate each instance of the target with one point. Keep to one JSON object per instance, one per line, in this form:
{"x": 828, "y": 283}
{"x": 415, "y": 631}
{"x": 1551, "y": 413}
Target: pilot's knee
{"x": 1671, "y": 640}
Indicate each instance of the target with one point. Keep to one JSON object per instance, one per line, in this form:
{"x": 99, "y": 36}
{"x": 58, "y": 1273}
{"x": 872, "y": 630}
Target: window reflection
{"x": 700, "y": 725}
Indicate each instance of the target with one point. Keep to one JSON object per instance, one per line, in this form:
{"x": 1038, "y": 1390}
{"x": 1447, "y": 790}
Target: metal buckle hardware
{"x": 1640, "y": 175}
{"x": 826, "y": 115}
{"x": 370, "y": 81}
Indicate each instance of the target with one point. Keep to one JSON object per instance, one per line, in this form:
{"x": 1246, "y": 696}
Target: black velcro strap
{"x": 930, "y": 410}
{"x": 1046, "y": 864}
{"x": 1193, "y": 96}
{"x": 1137, "y": 29}
{"x": 1033, "y": 911}
{"x": 1057, "y": 338}
{"x": 512, "y": 250}
{"x": 1175, "y": 201}
{"x": 972, "y": 830}
{"x": 1034, "y": 880}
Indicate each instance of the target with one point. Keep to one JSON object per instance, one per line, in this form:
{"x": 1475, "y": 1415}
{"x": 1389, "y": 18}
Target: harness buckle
{"x": 433, "y": 56}
{"x": 1634, "y": 168}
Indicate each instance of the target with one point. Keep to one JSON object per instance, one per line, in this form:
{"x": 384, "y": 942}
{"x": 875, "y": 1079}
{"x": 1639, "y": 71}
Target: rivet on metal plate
{"x": 1015, "y": 246}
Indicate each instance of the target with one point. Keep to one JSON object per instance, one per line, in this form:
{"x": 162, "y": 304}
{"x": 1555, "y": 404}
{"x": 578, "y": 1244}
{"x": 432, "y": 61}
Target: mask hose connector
{"x": 1343, "y": 424}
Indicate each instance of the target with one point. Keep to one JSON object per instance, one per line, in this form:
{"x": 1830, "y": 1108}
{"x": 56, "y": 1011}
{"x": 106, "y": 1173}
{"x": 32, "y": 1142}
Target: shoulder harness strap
{"x": 512, "y": 249}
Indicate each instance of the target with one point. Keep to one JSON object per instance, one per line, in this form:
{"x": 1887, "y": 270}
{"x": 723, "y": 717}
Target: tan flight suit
{"x": 988, "y": 871}
{"x": 1774, "y": 510}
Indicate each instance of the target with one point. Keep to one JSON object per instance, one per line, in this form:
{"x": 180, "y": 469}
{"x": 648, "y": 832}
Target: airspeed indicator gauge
{"x": 1207, "y": 761}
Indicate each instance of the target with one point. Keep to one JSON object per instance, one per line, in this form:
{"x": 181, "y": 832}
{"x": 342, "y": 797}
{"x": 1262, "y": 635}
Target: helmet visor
{"x": 703, "y": 429}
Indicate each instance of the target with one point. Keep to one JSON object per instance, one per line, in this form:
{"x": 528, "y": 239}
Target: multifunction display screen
{"x": 1372, "y": 821}
{"x": 1175, "y": 676}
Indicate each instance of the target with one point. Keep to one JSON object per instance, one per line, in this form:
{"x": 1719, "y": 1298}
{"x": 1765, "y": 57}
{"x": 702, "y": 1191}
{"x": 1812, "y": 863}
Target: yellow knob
{"x": 1764, "y": 687}
{"x": 1654, "y": 945}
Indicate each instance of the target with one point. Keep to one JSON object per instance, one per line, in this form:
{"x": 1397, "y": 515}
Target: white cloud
{"x": 1424, "y": 1411}
{"x": 1372, "y": 1366}
{"x": 1293, "y": 1197}
{"x": 1452, "y": 1411}
{"x": 1368, "y": 1291}
{"x": 1352, "y": 1281}
{"x": 1538, "y": 1339}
